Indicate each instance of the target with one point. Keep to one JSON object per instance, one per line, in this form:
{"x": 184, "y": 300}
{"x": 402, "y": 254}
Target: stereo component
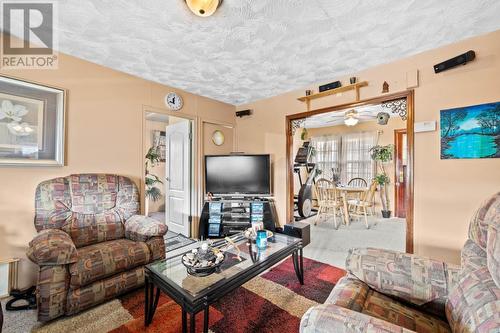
{"x": 243, "y": 113}
{"x": 330, "y": 86}
{"x": 454, "y": 62}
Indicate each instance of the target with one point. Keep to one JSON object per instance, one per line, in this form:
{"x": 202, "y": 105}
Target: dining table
{"x": 345, "y": 191}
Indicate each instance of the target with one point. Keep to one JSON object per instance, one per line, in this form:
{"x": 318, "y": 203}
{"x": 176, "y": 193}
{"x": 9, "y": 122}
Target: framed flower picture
{"x": 32, "y": 123}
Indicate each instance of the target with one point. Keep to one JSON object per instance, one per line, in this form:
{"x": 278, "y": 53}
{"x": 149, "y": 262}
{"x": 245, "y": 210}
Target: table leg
{"x": 301, "y": 265}
{"x": 154, "y": 303}
{"x": 205, "y": 318}
{"x": 146, "y": 302}
{"x": 346, "y": 209}
{"x": 184, "y": 321}
{"x": 298, "y": 266}
{"x": 192, "y": 327}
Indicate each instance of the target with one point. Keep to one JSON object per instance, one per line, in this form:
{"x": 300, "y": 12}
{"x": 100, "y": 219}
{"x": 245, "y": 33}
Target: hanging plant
{"x": 303, "y": 134}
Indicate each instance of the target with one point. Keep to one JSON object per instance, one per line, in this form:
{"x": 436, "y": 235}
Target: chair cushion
{"x": 412, "y": 278}
{"x": 489, "y": 213}
{"x": 87, "y": 229}
{"x": 473, "y": 256}
{"x": 141, "y": 228}
{"x": 331, "y": 318}
{"x": 93, "y": 193}
{"x": 101, "y": 260}
{"x": 382, "y": 307}
{"x": 493, "y": 253}
{"x": 474, "y": 305}
{"x": 86, "y": 201}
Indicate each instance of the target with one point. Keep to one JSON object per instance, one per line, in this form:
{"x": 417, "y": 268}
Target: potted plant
{"x": 383, "y": 155}
{"x": 152, "y": 192}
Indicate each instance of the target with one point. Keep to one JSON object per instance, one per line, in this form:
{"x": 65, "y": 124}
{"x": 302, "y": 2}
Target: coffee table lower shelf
{"x": 154, "y": 285}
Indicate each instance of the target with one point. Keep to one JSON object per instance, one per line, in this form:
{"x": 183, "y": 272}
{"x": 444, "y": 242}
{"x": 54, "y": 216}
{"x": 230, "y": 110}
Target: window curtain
{"x": 356, "y": 160}
{"x": 347, "y": 156}
{"x": 327, "y": 150}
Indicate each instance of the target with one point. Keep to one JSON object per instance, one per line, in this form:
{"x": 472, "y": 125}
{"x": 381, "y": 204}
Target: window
{"x": 356, "y": 160}
{"x": 347, "y": 156}
{"x": 327, "y": 151}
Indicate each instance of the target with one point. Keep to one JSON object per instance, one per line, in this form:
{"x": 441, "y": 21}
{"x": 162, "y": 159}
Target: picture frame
{"x": 159, "y": 140}
{"x": 32, "y": 123}
{"x": 470, "y": 132}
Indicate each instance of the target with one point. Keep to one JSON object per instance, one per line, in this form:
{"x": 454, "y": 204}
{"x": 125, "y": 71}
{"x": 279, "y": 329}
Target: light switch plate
{"x": 425, "y": 126}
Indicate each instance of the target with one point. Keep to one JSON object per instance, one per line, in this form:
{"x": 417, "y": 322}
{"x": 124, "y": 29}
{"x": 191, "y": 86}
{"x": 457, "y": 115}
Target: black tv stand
{"x": 224, "y": 216}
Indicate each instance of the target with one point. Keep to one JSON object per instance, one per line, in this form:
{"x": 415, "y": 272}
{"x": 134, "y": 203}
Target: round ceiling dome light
{"x": 203, "y": 8}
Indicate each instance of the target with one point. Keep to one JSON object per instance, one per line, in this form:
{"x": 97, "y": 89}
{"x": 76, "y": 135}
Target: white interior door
{"x": 178, "y": 176}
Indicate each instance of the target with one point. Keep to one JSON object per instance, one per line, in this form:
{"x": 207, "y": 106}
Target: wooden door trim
{"x": 195, "y": 160}
{"x": 396, "y": 141}
{"x": 410, "y": 97}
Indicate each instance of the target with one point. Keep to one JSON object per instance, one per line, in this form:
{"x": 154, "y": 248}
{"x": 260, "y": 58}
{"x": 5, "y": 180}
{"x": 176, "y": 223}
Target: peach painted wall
{"x": 446, "y": 191}
{"x": 104, "y": 125}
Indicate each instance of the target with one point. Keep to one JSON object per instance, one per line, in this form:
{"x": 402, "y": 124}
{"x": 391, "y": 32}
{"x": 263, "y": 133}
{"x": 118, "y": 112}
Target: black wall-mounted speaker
{"x": 243, "y": 113}
{"x": 329, "y": 86}
{"x": 456, "y": 61}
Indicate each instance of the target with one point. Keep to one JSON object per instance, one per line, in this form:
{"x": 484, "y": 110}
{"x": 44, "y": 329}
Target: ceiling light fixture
{"x": 351, "y": 118}
{"x": 203, "y": 8}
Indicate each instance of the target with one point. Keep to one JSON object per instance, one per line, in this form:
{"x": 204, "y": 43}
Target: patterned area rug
{"x": 272, "y": 302}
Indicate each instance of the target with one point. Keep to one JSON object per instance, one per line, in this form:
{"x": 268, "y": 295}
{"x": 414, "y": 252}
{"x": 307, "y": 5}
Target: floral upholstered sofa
{"x": 91, "y": 244}
{"x": 388, "y": 292}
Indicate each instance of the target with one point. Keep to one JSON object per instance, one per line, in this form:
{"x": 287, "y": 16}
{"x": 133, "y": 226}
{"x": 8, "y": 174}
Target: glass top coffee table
{"x": 195, "y": 294}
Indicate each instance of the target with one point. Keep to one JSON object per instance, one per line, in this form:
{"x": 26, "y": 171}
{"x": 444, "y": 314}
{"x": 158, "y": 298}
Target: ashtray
{"x": 201, "y": 262}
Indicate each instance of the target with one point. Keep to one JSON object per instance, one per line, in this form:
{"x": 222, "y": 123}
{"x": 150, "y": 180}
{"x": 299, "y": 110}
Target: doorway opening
{"x": 357, "y": 199}
{"x": 168, "y": 147}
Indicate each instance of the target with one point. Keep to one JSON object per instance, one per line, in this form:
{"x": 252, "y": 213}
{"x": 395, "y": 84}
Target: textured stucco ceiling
{"x": 253, "y": 49}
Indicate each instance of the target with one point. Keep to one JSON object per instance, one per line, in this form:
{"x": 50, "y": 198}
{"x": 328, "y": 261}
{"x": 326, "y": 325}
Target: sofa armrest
{"x": 329, "y": 318}
{"x": 349, "y": 293}
{"x": 141, "y": 228}
{"x": 52, "y": 247}
{"x": 406, "y": 276}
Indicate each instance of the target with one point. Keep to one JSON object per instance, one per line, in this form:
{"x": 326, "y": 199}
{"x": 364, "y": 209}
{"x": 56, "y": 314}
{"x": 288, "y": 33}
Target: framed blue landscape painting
{"x": 471, "y": 132}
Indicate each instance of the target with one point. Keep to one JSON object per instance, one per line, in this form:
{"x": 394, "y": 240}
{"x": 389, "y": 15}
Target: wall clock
{"x": 218, "y": 138}
{"x": 174, "y": 101}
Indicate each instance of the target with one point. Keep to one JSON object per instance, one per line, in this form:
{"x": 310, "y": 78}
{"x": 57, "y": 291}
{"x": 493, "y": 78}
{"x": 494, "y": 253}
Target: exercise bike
{"x": 303, "y": 201}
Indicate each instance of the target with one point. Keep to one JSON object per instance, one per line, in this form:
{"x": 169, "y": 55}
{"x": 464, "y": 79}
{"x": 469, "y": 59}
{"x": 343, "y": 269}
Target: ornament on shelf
{"x": 385, "y": 87}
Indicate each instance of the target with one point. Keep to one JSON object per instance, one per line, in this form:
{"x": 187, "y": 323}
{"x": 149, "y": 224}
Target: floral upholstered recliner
{"x": 91, "y": 246}
{"x": 389, "y": 292}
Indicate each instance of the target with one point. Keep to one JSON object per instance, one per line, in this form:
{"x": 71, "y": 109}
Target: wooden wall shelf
{"x": 354, "y": 86}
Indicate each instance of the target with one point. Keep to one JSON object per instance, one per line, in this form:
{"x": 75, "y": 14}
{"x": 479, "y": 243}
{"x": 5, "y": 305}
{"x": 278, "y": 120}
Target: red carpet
{"x": 242, "y": 310}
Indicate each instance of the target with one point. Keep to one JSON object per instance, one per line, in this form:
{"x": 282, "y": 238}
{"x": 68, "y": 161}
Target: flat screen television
{"x": 238, "y": 174}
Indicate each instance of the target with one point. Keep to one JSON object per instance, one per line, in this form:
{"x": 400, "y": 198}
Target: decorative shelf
{"x": 354, "y": 86}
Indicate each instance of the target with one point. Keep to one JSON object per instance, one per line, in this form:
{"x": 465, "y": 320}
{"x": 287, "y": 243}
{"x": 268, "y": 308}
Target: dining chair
{"x": 358, "y": 182}
{"x": 328, "y": 200}
{"x": 361, "y": 206}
